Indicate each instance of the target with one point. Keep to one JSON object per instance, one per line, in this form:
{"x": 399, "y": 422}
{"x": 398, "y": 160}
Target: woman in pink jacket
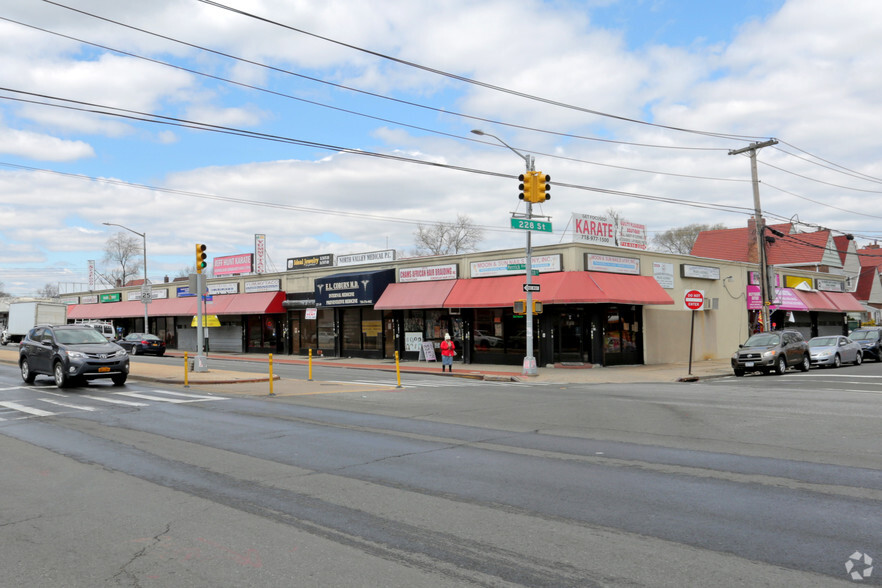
{"x": 448, "y": 350}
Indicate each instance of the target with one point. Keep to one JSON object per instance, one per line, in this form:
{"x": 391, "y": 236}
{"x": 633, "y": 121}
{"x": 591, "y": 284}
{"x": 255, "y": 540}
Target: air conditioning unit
{"x": 712, "y": 304}
{"x": 455, "y": 311}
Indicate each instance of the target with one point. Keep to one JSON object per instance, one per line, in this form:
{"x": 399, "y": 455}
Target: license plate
{"x": 104, "y": 369}
{"x": 748, "y": 364}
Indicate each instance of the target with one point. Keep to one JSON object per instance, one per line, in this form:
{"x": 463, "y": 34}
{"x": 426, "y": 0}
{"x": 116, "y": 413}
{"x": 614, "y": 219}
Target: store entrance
{"x": 569, "y": 340}
{"x": 622, "y": 344}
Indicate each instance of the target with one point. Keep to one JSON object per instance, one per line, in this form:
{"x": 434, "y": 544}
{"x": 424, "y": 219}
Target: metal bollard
{"x": 186, "y": 370}
{"x": 310, "y": 365}
{"x": 397, "y": 370}
{"x": 271, "y": 374}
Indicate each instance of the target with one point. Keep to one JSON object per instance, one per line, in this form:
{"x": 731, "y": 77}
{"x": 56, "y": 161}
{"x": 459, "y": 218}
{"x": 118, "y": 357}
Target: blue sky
{"x": 797, "y": 70}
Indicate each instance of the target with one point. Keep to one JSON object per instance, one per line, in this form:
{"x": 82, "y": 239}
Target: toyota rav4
{"x": 71, "y": 352}
{"x": 772, "y": 351}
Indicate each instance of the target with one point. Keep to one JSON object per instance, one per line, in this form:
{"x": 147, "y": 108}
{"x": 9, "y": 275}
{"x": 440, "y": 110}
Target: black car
{"x": 139, "y": 343}
{"x": 71, "y": 352}
{"x": 772, "y": 351}
{"x": 869, "y": 340}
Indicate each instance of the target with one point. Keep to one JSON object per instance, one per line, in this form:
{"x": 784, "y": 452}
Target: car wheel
{"x": 134, "y": 350}
{"x": 26, "y": 374}
{"x": 806, "y": 363}
{"x": 739, "y": 373}
{"x": 858, "y": 358}
{"x": 781, "y": 365}
{"x": 119, "y": 380}
{"x": 837, "y": 361}
{"x": 60, "y": 376}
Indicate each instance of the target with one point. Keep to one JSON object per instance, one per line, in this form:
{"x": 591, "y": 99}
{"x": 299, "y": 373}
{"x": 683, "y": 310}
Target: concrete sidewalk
{"x": 172, "y": 372}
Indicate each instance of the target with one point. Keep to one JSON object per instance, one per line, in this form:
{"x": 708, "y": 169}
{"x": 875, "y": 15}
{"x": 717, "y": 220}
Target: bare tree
{"x": 48, "y": 291}
{"x": 681, "y": 239}
{"x": 123, "y": 258}
{"x": 460, "y": 236}
{"x": 3, "y": 290}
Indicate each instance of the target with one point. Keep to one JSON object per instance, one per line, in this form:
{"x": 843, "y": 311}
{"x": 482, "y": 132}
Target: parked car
{"x": 869, "y": 340}
{"x": 140, "y": 343}
{"x": 834, "y": 350}
{"x": 772, "y": 351}
{"x": 71, "y": 352}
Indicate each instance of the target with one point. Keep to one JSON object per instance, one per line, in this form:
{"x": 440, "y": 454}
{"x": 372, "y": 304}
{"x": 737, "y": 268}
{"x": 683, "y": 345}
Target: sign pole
{"x": 691, "y": 338}
{"x": 694, "y": 300}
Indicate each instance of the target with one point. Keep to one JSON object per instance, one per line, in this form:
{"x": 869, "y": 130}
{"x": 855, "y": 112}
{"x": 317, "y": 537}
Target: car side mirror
{"x": 46, "y": 343}
{"x": 741, "y": 346}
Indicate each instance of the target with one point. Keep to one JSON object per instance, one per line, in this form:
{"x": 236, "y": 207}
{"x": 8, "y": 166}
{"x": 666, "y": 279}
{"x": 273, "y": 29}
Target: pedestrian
{"x": 448, "y": 350}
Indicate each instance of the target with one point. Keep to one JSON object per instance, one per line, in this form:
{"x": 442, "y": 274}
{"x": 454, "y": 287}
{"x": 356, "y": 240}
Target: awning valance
{"x": 225, "y": 304}
{"x": 415, "y": 295}
{"x": 845, "y": 301}
{"x": 814, "y": 300}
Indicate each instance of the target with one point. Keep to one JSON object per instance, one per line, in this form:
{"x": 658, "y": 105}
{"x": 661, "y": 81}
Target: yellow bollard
{"x": 186, "y": 370}
{"x": 397, "y": 370}
{"x": 310, "y": 365}
{"x": 271, "y": 374}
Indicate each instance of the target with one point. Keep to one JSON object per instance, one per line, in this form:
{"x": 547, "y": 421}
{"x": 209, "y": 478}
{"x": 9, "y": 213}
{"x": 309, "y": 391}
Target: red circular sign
{"x": 694, "y": 299}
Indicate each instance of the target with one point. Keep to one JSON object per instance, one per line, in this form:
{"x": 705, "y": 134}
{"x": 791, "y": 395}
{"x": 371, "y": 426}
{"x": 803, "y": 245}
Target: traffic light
{"x": 527, "y": 187}
{"x": 519, "y": 307}
{"x": 543, "y": 187}
{"x": 201, "y": 256}
{"x": 537, "y": 307}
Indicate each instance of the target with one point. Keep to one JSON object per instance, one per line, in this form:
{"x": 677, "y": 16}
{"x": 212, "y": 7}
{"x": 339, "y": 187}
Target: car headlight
{"x": 825, "y": 354}
{"x": 76, "y": 355}
{"x": 769, "y": 354}
{"x": 120, "y": 353}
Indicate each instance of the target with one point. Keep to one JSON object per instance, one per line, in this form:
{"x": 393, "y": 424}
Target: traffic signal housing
{"x": 537, "y": 307}
{"x": 543, "y": 187}
{"x": 527, "y": 187}
{"x": 519, "y": 307}
{"x": 201, "y": 256}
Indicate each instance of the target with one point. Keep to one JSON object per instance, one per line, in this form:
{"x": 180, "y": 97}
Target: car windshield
{"x": 864, "y": 335}
{"x": 823, "y": 342}
{"x": 75, "y": 336}
{"x": 763, "y": 340}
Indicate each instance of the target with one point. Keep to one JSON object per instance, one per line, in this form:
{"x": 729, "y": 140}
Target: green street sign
{"x": 514, "y": 267}
{"x": 530, "y": 225}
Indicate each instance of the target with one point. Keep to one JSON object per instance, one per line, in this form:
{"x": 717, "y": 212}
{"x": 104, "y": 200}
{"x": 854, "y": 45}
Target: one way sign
{"x": 531, "y": 287}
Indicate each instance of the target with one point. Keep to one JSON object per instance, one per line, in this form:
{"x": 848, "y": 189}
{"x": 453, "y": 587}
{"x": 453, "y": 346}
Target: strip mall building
{"x": 601, "y": 305}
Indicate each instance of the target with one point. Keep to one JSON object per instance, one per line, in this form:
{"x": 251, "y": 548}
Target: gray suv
{"x": 772, "y": 351}
{"x": 71, "y": 352}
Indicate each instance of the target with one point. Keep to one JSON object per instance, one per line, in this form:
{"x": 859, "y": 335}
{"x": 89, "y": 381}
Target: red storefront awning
{"x": 815, "y": 300}
{"x": 430, "y": 294}
{"x": 558, "y": 288}
{"x": 225, "y": 304}
{"x": 845, "y": 301}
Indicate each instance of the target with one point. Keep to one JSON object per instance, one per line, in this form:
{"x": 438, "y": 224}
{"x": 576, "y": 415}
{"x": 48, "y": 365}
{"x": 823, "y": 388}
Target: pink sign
{"x": 785, "y": 299}
{"x": 233, "y": 264}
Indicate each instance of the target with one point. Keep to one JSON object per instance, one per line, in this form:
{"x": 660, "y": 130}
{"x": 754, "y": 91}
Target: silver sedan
{"x": 834, "y": 351}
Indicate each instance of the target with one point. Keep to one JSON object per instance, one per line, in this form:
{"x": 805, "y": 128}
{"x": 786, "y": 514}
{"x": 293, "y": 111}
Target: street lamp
{"x": 145, "y": 292}
{"x": 529, "y": 359}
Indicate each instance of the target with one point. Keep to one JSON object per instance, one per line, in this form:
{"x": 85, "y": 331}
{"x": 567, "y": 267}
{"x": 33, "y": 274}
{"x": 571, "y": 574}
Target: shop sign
{"x": 702, "y": 272}
{"x": 663, "y": 274}
{"x": 370, "y": 257}
{"x": 93, "y": 299}
{"x": 183, "y": 292}
{"x": 115, "y": 297}
{"x": 371, "y": 328}
{"x": 311, "y": 261}
{"x": 310, "y": 314}
{"x": 785, "y": 299}
{"x": 70, "y": 300}
{"x": 829, "y": 285}
{"x": 260, "y": 254}
{"x": 227, "y": 288}
{"x": 355, "y": 289}
{"x": 499, "y": 267}
{"x": 798, "y": 282}
{"x": 425, "y": 274}
{"x": 612, "y": 264}
{"x": 263, "y": 286}
{"x": 228, "y": 265}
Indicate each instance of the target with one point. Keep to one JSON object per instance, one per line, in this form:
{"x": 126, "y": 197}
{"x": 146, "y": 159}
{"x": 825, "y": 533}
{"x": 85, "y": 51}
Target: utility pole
{"x": 765, "y": 287}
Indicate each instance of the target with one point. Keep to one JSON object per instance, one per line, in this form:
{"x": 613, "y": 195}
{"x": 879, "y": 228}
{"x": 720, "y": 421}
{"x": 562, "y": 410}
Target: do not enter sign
{"x": 694, "y": 299}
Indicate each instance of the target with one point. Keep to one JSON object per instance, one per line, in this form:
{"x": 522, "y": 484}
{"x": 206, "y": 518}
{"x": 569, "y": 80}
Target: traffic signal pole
{"x": 529, "y": 359}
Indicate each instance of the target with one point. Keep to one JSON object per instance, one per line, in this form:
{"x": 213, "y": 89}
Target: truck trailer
{"x": 24, "y": 316}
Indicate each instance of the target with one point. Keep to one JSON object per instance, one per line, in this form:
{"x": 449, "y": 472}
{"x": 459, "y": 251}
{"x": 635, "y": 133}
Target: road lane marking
{"x": 65, "y": 404}
{"x": 116, "y": 401}
{"x": 26, "y": 409}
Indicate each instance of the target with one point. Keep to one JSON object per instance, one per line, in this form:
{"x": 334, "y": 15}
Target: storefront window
{"x": 325, "y": 328}
{"x": 372, "y": 329}
{"x": 351, "y": 318}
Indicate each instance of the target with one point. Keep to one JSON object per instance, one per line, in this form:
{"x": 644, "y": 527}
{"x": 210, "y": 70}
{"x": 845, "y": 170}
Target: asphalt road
{"x": 755, "y": 481}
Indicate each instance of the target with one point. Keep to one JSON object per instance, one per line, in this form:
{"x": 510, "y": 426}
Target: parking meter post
{"x": 271, "y": 375}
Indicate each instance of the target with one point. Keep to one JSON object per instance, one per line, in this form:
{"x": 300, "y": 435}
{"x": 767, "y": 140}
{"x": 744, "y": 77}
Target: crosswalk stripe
{"x": 156, "y": 398}
{"x": 116, "y": 401}
{"x": 65, "y": 404}
{"x": 186, "y": 395}
{"x": 26, "y": 409}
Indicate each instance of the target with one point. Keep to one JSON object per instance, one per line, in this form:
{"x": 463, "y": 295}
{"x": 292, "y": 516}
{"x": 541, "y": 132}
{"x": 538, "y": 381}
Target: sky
{"x": 340, "y": 126}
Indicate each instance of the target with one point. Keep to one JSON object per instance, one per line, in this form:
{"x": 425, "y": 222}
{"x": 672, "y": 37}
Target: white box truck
{"x": 24, "y": 316}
